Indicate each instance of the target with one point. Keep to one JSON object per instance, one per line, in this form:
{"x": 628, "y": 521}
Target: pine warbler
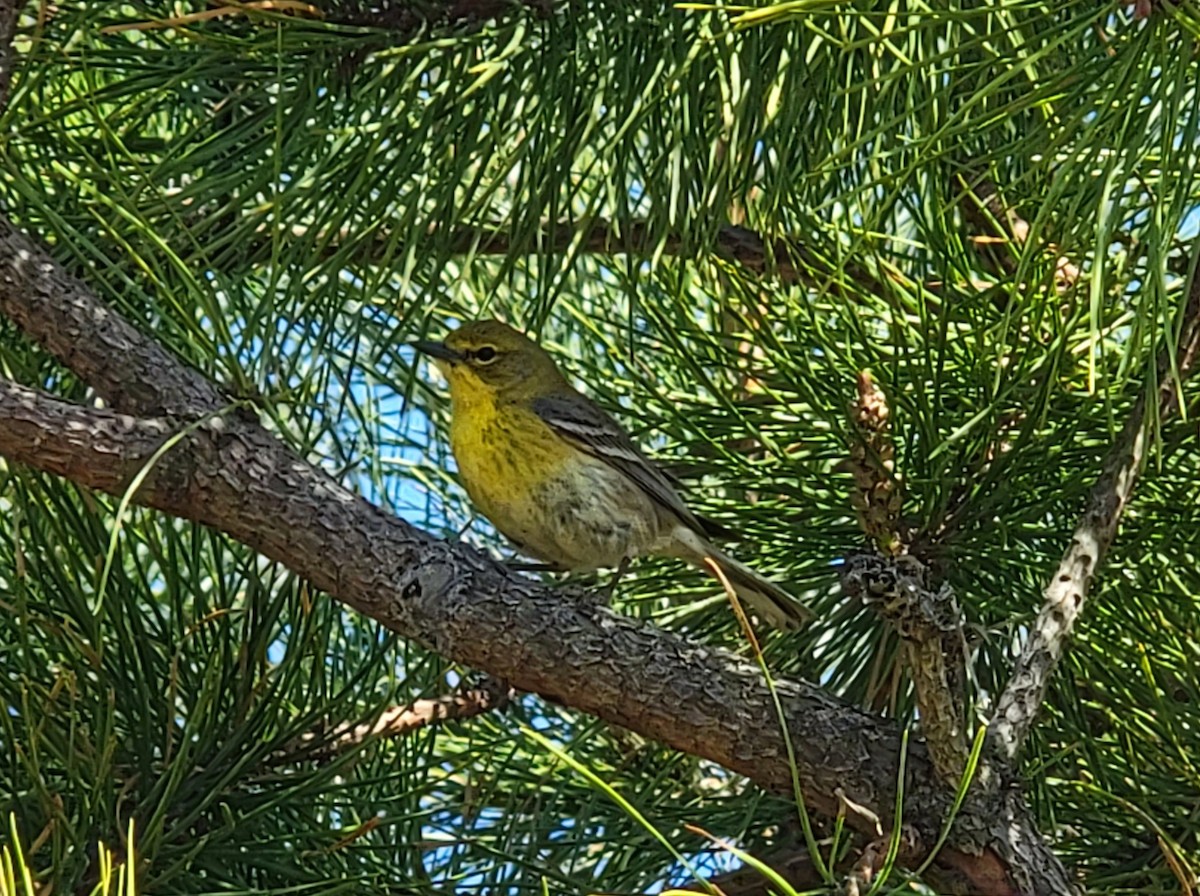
{"x": 560, "y": 478}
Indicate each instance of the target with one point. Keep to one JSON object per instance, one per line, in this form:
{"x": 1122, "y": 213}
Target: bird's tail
{"x": 768, "y": 600}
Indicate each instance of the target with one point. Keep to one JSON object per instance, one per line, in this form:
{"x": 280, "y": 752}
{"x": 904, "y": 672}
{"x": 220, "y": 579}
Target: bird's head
{"x": 490, "y": 356}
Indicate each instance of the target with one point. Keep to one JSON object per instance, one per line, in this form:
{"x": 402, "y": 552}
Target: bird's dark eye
{"x": 485, "y": 355}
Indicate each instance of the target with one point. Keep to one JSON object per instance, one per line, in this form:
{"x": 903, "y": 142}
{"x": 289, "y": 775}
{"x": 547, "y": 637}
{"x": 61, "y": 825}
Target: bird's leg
{"x": 600, "y": 597}
{"x": 592, "y": 596}
{"x": 611, "y": 589}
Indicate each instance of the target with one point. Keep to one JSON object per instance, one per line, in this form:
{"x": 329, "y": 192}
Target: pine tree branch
{"x": 400, "y": 21}
{"x": 107, "y": 352}
{"x": 229, "y": 474}
{"x": 401, "y": 721}
{"x": 104, "y": 450}
{"x": 1067, "y": 592}
{"x": 929, "y": 622}
{"x": 225, "y": 471}
{"x": 900, "y": 588}
{"x": 785, "y": 259}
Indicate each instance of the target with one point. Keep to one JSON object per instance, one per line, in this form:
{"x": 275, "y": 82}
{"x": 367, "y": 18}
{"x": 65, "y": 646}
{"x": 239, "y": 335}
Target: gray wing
{"x": 591, "y": 430}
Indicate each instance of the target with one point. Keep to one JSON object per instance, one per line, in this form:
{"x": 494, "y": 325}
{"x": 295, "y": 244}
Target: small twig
{"x": 401, "y": 721}
{"x": 984, "y": 207}
{"x": 1065, "y": 595}
{"x": 405, "y": 17}
{"x": 785, "y": 259}
{"x": 1143, "y": 9}
{"x": 858, "y": 881}
{"x": 794, "y": 866}
{"x": 297, "y": 7}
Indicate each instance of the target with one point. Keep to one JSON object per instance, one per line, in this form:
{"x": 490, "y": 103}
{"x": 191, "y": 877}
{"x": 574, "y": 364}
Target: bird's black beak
{"x": 437, "y": 350}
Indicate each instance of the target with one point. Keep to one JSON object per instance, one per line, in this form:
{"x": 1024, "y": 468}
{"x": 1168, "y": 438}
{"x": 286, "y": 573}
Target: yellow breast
{"x": 553, "y": 500}
{"x": 504, "y": 452}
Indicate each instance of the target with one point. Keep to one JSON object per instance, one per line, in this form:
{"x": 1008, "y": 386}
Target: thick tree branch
{"x": 104, "y": 450}
{"x": 1065, "y": 595}
{"x": 230, "y": 475}
{"x": 225, "y": 471}
{"x": 107, "y": 352}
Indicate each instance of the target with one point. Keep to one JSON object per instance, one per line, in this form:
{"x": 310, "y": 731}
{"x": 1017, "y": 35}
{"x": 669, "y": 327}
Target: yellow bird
{"x": 560, "y": 478}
